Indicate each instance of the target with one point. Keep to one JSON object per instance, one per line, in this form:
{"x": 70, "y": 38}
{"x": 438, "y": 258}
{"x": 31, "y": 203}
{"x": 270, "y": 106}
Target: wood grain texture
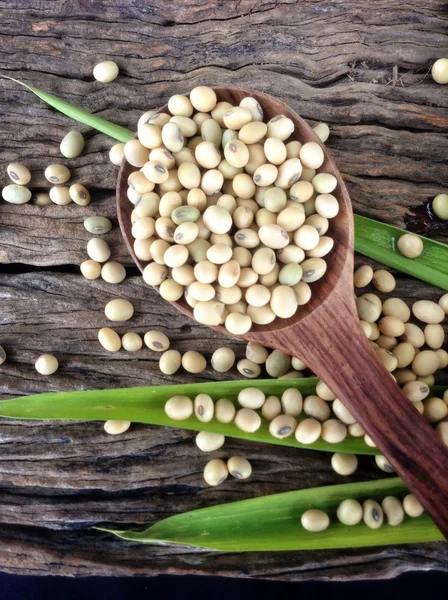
{"x": 329, "y": 61}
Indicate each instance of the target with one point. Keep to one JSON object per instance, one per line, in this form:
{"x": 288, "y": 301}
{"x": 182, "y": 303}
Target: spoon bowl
{"x": 326, "y": 335}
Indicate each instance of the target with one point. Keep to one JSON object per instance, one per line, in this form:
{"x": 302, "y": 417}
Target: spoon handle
{"x": 343, "y": 358}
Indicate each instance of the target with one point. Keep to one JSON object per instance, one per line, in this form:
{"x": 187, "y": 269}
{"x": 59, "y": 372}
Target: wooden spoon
{"x": 326, "y": 335}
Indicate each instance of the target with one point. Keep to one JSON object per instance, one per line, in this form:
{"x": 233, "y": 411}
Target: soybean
{"x": 363, "y": 276}
{"x": 179, "y": 408}
{"x": 251, "y": 398}
{"x": 315, "y": 520}
{"x": 204, "y": 408}
{"x": 349, "y": 512}
{"x": 90, "y": 269}
{"x": 97, "y": 225}
{"x": 18, "y": 173}
{"x": 239, "y": 467}
{"x": 72, "y": 144}
{"x": 57, "y": 174}
{"x": 224, "y": 410}
{"x": 119, "y": 310}
{"x": 60, "y": 194}
{"x": 393, "y": 510}
{"x": 412, "y": 506}
{"x": 109, "y": 339}
{"x": 247, "y": 420}
{"x": 132, "y": 342}
{"x": 372, "y": 514}
{"x": 16, "y": 194}
{"x": 344, "y": 464}
{"x": 105, "y": 71}
{"x": 193, "y": 362}
{"x": 46, "y": 364}
{"x": 116, "y": 427}
{"x": 271, "y": 408}
{"x": 215, "y": 472}
{"x": 410, "y": 245}
{"x": 208, "y": 441}
{"x": 98, "y": 250}
{"x": 157, "y": 341}
{"x": 308, "y": 431}
{"x": 223, "y": 359}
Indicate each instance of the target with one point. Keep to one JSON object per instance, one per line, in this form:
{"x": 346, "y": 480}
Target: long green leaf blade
{"x": 379, "y": 241}
{"x": 78, "y": 114}
{"x": 146, "y": 405}
{"x": 272, "y": 523}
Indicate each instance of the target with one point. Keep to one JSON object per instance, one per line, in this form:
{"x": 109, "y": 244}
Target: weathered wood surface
{"x": 331, "y": 61}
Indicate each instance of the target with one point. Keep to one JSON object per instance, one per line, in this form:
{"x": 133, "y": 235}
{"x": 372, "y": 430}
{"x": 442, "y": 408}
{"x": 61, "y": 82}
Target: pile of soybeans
{"x": 229, "y": 214}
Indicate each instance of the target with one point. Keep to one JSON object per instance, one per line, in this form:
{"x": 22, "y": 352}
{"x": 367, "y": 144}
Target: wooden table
{"x": 363, "y": 67}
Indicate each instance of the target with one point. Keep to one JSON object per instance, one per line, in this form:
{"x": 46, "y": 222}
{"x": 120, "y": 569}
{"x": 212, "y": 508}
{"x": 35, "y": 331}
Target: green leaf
{"x": 272, "y": 523}
{"x": 78, "y": 114}
{"x": 146, "y": 405}
{"x": 379, "y": 241}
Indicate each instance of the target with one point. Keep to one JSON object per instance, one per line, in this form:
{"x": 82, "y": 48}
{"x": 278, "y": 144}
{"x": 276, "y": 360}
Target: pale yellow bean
{"x": 412, "y": 506}
{"x": 132, "y": 342}
{"x": 291, "y": 218}
{"x": 251, "y": 398}
{"x": 236, "y": 117}
{"x": 253, "y": 107}
{"x": 207, "y": 155}
{"x": 210, "y": 312}
{"x": 344, "y": 464}
{"x": 109, "y": 339}
{"x": 116, "y": 427}
{"x": 322, "y": 131}
{"x": 333, "y": 431}
{"x": 224, "y": 410}
{"x": 372, "y": 514}
{"x": 46, "y": 364}
{"x": 315, "y": 520}
{"x": 282, "y": 426}
{"x": 363, "y": 276}
{"x": 288, "y": 173}
{"x": 170, "y": 290}
{"x": 311, "y": 155}
{"x": 236, "y": 153}
{"x": 247, "y": 420}
{"x": 248, "y": 368}
{"x": 261, "y": 315}
{"x": 252, "y": 132}
{"x": 90, "y": 269}
{"x": 428, "y": 312}
{"x": 425, "y": 363}
{"x": 280, "y": 127}
{"x": 410, "y": 245}
{"x": 207, "y": 441}
{"x": 154, "y": 274}
{"x": 275, "y": 151}
{"x": 349, "y": 512}
{"x": 317, "y": 408}
{"x": 283, "y": 302}
{"x": 435, "y": 409}
{"x": 413, "y": 334}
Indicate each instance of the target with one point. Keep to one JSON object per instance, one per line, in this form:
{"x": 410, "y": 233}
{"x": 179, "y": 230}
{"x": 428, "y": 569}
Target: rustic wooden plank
{"x": 330, "y": 61}
{"x": 81, "y": 553}
{"x": 62, "y": 313}
{"x": 371, "y": 119}
{"x": 55, "y": 235}
{"x": 71, "y": 476}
